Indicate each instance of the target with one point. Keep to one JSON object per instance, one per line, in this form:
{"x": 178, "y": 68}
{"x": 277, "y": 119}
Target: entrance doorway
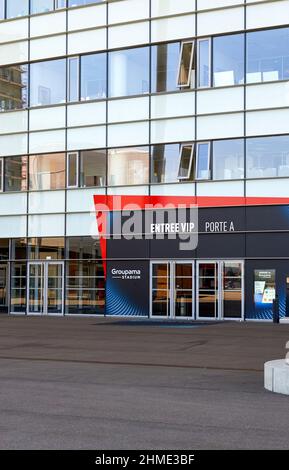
{"x": 172, "y": 289}
{"x": 45, "y": 287}
{"x": 220, "y": 290}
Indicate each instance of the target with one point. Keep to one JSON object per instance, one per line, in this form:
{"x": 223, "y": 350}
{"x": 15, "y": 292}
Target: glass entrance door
{"x": 45, "y": 287}
{"x": 220, "y": 290}
{"x": 172, "y": 289}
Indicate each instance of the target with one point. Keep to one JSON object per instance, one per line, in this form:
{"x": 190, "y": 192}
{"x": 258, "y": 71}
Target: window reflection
{"x": 13, "y": 87}
{"x": 46, "y": 248}
{"x": 129, "y": 72}
{"x": 228, "y": 159}
{"x": 47, "y": 171}
{"x": 93, "y": 76}
{"x": 15, "y": 174}
{"x": 92, "y": 168}
{"x": 48, "y": 82}
{"x": 16, "y": 8}
{"x": 267, "y": 157}
{"x": 165, "y": 163}
{"x": 165, "y": 63}
{"x": 268, "y": 55}
{"x": 128, "y": 166}
{"x": 40, "y": 6}
{"x": 228, "y": 60}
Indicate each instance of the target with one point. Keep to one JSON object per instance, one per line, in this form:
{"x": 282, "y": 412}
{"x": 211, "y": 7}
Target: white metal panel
{"x": 52, "y": 23}
{"x": 127, "y": 10}
{"x": 220, "y": 126}
{"x": 89, "y": 17}
{"x": 173, "y": 130}
{"x": 85, "y": 114}
{"x": 178, "y": 27}
{"x": 129, "y": 190}
{"x": 132, "y": 109}
{"x": 268, "y": 14}
{"x": 171, "y": 7}
{"x": 46, "y": 201}
{"x": 81, "y": 224}
{"x": 179, "y": 189}
{"x": 267, "y": 122}
{"x": 87, "y": 41}
{"x": 271, "y": 95}
{"x": 120, "y": 135}
{"x": 221, "y": 188}
{"x": 128, "y": 35}
{"x": 14, "y": 53}
{"x": 208, "y": 4}
{"x": 220, "y": 21}
{"x": 268, "y": 188}
{"x": 13, "y": 226}
{"x": 45, "y": 47}
{"x": 220, "y": 100}
{"x": 86, "y": 138}
{"x": 46, "y": 225}
{"x": 47, "y": 141}
{"x": 13, "y": 121}
{"x": 47, "y": 118}
{"x": 13, "y": 30}
{"x": 173, "y": 105}
{"x": 12, "y": 203}
{"x": 81, "y": 200}
{"x": 13, "y": 144}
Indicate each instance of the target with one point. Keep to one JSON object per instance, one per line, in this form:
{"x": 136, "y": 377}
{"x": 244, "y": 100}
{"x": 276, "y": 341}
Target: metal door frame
{"x": 44, "y": 285}
{"x": 220, "y": 290}
{"x": 171, "y": 288}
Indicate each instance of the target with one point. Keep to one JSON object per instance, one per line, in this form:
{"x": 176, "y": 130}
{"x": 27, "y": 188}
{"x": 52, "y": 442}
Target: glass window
{"x": 72, "y": 169}
{"x": 16, "y": 8}
{"x": 18, "y": 287}
{"x": 165, "y": 63}
{"x": 39, "y": 6}
{"x": 73, "y": 79}
{"x": 203, "y": 161}
{"x": 92, "y": 168}
{"x": 1, "y": 174}
{"x": 228, "y": 159}
{"x": 185, "y": 75}
{"x": 228, "y": 60}
{"x": 85, "y": 287}
{"x": 128, "y": 166}
{"x": 4, "y": 249}
{"x": 18, "y": 248}
{"x": 93, "y": 76}
{"x": 185, "y": 162}
{"x": 268, "y": 55}
{"x": 165, "y": 163}
{"x": 204, "y": 53}
{"x": 15, "y": 173}
{"x": 267, "y": 157}
{"x": 2, "y": 9}
{"x": 13, "y": 87}
{"x": 129, "y": 72}
{"x": 60, "y": 3}
{"x": 48, "y": 82}
{"x": 43, "y": 248}
{"x": 82, "y": 248}
{"x": 47, "y": 171}
{"x": 74, "y": 3}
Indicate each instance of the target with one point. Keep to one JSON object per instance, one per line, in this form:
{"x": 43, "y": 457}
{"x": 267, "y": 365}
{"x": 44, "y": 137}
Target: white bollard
{"x": 276, "y": 376}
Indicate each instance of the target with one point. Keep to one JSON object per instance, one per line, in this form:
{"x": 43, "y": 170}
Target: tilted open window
{"x": 186, "y": 161}
{"x": 186, "y": 67}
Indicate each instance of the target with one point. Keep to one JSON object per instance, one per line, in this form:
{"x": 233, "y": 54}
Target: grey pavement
{"x": 86, "y": 383}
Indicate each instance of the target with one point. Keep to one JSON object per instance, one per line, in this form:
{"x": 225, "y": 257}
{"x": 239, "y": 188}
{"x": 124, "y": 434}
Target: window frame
{"x": 1, "y": 174}
{"x": 68, "y": 155}
{"x": 192, "y": 65}
{"x": 198, "y": 144}
{"x": 187, "y": 177}
{"x": 68, "y": 74}
{"x": 209, "y": 39}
